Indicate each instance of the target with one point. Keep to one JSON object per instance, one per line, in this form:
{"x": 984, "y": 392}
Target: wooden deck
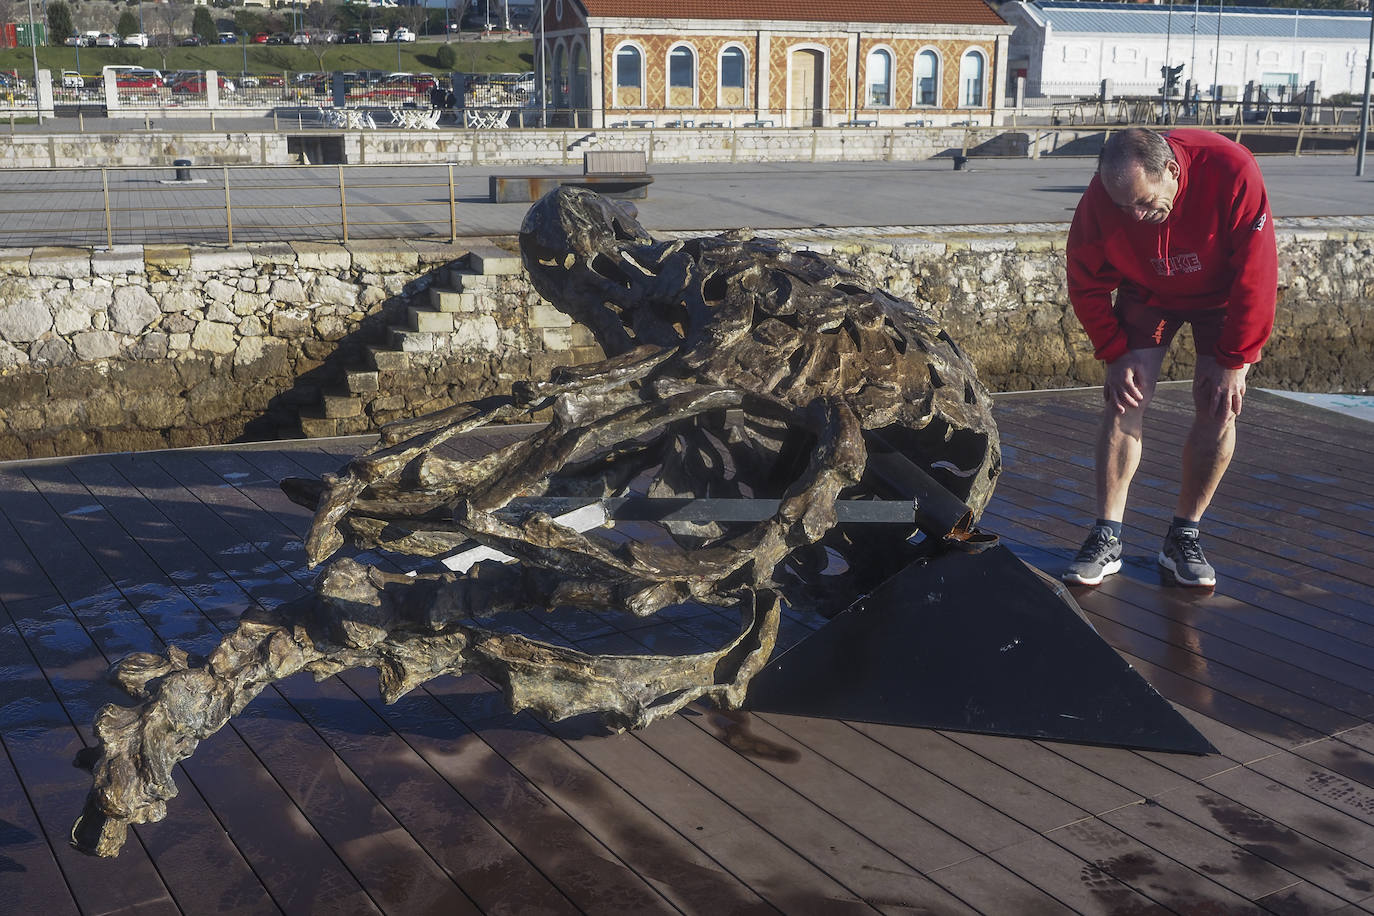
{"x": 320, "y": 799}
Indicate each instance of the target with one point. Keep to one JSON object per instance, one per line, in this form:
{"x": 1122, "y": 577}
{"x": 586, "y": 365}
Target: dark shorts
{"x": 1148, "y": 327}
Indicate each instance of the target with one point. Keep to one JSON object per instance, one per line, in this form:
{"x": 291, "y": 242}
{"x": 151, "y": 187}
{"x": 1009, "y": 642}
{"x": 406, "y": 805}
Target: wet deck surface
{"x": 320, "y": 799}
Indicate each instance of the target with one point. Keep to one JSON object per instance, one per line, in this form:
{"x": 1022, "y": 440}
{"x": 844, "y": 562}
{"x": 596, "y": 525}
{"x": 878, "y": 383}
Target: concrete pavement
{"x": 297, "y": 203}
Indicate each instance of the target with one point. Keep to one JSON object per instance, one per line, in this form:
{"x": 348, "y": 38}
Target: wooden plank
{"x": 184, "y": 843}
{"x": 861, "y": 866}
{"x": 42, "y": 740}
{"x": 663, "y": 856}
{"x": 1081, "y": 885}
{"x": 579, "y": 865}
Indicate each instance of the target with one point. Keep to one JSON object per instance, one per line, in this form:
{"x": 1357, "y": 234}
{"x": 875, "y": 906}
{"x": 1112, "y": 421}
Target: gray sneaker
{"x": 1182, "y": 556}
{"x": 1099, "y": 557}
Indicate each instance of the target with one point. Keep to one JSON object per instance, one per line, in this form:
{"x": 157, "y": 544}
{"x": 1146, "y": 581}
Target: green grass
{"x": 472, "y": 57}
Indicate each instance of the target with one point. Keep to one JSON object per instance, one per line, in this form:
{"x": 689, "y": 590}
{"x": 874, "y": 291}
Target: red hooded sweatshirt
{"x": 1215, "y": 250}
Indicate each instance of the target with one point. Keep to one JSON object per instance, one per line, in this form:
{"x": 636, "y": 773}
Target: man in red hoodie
{"x": 1178, "y": 226}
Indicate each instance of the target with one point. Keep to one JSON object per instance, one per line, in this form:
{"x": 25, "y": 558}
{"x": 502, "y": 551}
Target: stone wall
{"x": 148, "y": 347}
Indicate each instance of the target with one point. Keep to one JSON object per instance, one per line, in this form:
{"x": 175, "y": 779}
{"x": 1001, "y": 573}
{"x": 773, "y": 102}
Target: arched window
{"x": 733, "y": 82}
{"x": 927, "y": 78}
{"x": 971, "y": 80}
{"x": 879, "y": 81}
{"x": 629, "y": 77}
{"x": 682, "y": 78}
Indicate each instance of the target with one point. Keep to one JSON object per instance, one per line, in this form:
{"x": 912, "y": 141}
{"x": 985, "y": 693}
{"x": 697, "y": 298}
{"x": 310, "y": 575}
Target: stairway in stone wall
{"x": 405, "y": 375}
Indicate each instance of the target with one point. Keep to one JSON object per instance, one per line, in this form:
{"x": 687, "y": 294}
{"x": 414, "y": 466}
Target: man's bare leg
{"x": 1211, "y": 441}
{"x": 1121, "y": 432}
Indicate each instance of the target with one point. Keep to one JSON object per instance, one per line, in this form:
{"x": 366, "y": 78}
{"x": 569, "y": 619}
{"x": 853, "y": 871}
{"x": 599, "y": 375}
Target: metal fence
{"x": 218, "y": 204}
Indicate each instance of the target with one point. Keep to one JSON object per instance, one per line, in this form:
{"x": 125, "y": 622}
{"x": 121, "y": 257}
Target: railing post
{"x": 228, "y": 209}
{"x": 105, "y": 191}
{"x": 343, "y": 202}
{"x": 452, "y": 208}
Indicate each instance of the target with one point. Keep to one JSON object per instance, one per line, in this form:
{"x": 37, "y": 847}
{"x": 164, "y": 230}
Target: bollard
{"x": 183, "y": 167}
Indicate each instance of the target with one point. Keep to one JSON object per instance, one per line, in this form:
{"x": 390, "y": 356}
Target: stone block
{"x": 133, "y": 310}
{"x": 338, "y": 406}
{"x": 476, "y": 333}
{"x": 129, "y": 440}
{"x": 426, "y": 320}
{"x": 317, "y": 427}
{"x": 412, "y": 341}
{"x": 21, "y": 322}
{"x": 384, "y": 257}
{"x": 220, "y": 260}
{"x": 15, "y": 261}
{"x": 51, "y": 352}
{"x": 386, "y": 359}
{"x": 121, "y": 259}
{"x": 166, "y": 257}
{"x": 449, "y": 301}
{"x": 95, "y": 345}
{"x": 322, "y": 256}
{"x": 330, "y": 290}
{"x": 68, "y": 263}
{"x": 493, "y": 261}
{"x": 557, "y": 339}
{"x": 291, "y": 324}
{"x": 360, "y": 382}
{"x": 290, "y": 291}
{"x": 472, "y": 281}
{"x": 546, "y": 316}
{"x": 214, "y": 337}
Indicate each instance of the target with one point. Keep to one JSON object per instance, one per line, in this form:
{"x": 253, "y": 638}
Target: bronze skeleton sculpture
{"x": 734, "y": 368}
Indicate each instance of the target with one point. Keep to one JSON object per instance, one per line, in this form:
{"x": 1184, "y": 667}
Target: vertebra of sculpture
{"x": 735, "y": 369}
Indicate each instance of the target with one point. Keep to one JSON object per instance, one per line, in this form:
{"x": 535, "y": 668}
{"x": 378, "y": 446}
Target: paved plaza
{"x": 58, "y": 207}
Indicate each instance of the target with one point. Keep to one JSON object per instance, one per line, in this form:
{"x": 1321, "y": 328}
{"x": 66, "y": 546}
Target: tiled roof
{"x": 956, "y": 12}
{"x": 1236, "y": 21}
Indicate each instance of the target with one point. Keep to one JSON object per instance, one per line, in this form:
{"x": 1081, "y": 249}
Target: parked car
{"x": 196, "y": 84}
{"x": 352, "y": 37}
{"x": 228, "y": 38}
{"x": 131, "y": 80}
{"x": 261, "y": 38}
{"x": 300, "y": 38}
{"x": 192, "y": 41}
{"x": 74, "y": 41}
{"x": 106, "y": 40}
{"x": 278, "y": 38}
{"x": 136, "y": 40}
{"x": 378, "y": 35}
{"x": 403, "y": 34}
{"x": 72, "y": 80}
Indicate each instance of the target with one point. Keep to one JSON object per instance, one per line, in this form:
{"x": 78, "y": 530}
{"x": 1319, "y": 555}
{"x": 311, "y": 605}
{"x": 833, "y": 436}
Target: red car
{"x": 138, "y": 81}
{"x": 260, "y": 38}
{"x": 196, "y": 84}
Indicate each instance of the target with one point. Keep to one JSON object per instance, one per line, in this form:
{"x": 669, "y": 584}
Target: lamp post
{"x": 33, "y": 47}
{"x": 1364, "y": 111}
{"x": 544, "y": 72}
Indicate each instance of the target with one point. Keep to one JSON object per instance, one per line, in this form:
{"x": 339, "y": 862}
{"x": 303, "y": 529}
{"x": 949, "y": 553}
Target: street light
{"x": 33, "y": 46}
{"x": 1364, "y": 111}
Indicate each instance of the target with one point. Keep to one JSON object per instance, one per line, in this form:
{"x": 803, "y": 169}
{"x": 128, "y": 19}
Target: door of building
{"x": 806, "y": 89}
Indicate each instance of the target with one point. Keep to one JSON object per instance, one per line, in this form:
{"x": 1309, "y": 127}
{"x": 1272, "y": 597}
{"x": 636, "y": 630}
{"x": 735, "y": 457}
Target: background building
{"x": 785, "y": 62}
{"x": 1068, "y": 48}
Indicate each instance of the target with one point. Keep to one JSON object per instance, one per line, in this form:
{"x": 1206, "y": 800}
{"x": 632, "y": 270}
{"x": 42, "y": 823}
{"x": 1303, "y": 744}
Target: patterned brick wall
{"x": 655, "y": 49}
{"x": 904, "y": 51}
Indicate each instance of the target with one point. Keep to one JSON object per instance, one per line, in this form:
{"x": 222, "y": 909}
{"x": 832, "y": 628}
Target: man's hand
{"x": 1123, "y": 390}
{"x": 1217, "y": 390}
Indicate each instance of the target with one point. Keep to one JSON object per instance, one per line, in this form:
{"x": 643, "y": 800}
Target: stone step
{"x": 411, "y": 341}
{"x": 489, "y": 260}
{"x": 340, "y": 406}
{"x": 471, "y": 281}
{"x": 316, "y": 426}
{"x": 386, "y": 359}
{"x": 362, "y": 382}
{"x": 446, "y": 300}
{"x": 431, "y": 321}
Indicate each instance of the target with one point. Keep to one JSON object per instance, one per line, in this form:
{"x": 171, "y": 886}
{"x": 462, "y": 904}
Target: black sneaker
{"x": 1099, "y": 557}
{"x": 1182, "y": 556}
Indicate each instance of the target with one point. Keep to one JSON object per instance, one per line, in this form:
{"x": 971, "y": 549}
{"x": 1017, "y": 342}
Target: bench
{"x": 614, "y": 173}
{"x": 860, "y": 122}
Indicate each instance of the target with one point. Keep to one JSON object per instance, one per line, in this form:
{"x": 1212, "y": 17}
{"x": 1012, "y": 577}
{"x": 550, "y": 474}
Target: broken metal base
{"x": 975, "y": 643}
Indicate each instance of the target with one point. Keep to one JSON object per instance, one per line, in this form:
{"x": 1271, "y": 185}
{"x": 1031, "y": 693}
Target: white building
{"x": 1067, "y": 48}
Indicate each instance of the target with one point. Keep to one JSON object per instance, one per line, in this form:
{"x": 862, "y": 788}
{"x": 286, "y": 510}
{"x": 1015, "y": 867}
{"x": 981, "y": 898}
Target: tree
{"x": 203, "y": 24}
{"x": 127, "y": 25}
{"x": 60, "y": 23}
